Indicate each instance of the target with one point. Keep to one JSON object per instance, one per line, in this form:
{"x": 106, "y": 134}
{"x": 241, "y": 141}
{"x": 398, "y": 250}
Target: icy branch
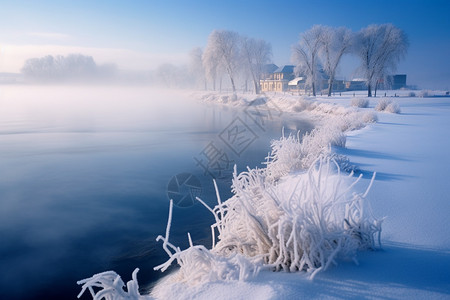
{"x": 110, "y": 286}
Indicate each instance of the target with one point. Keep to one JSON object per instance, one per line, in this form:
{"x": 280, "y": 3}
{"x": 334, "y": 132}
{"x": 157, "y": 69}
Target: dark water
{"x": 84, "y": 176}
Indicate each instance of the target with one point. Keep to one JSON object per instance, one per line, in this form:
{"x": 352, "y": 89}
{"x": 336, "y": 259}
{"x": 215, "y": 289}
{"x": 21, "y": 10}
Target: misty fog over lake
{"x": 85, "y": 173}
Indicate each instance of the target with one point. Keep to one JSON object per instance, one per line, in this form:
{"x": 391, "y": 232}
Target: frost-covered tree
{"x": 380, "y": 48}
{"x": 305, "y": 54}
{"x": 256, "y": 53}
{"x": 196, "y": 68}
{"x": 211, "y": 63}
{"x": 335, "y": 42}
{"x": 65, "y": 68}
{"x": 222, "y": 51}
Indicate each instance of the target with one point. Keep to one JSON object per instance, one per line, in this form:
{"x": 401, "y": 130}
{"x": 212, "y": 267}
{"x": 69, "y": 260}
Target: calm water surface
{"x": 84, "y": 176}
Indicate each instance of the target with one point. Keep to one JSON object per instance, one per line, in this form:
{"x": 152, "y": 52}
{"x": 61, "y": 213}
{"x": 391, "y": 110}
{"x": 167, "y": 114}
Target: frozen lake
{"x": 86, "y": 174}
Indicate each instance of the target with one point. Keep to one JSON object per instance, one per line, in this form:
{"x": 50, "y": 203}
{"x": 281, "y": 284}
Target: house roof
{"x": 296, "y": 80}
{"x": 269, "y": 68}
{"x": 287, "y": 69}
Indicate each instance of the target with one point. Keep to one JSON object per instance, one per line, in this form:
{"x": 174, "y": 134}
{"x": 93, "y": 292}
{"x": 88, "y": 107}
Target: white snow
{"x": 410, "y": 153}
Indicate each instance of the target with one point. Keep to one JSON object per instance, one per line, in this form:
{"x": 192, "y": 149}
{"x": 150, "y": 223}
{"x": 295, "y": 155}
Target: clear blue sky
{"x": 152, "y": 32}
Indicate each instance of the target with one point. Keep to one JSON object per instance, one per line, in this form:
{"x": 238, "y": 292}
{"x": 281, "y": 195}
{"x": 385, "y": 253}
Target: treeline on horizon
{"x": 236, "y": 62}
{"x": 321, "y": 48}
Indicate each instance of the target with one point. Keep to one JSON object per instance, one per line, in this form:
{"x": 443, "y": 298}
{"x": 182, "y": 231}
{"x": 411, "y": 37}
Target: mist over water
{"x": 84, "y": 174}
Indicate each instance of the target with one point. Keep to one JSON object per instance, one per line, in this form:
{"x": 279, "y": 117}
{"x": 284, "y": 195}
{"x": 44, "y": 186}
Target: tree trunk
{"x": 376, "y": 87}
{"x": 330, "y": 86}
{"x": 257, "y": 90}
{"x": 369, "y": 90}
{"x": 313, "y": 85}
{"x": 232, "y": 85}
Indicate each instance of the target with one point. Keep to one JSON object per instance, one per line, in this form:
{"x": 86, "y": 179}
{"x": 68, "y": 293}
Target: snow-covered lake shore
{"x": 409, "y": 152}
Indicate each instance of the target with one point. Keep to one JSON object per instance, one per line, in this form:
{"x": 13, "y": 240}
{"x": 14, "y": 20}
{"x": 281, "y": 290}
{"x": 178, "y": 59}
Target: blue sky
{"x": 143, "y": 34}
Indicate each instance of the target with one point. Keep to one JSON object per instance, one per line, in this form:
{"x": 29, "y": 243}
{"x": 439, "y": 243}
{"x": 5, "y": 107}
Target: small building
{"x": 357, "y": 84}
{"x": 296, "y": 84}
{"x": 396, "y": 82}
{"x": 268, "y": 70}
{"x": 338, "y": 85}
{"x": 278, "y": 81}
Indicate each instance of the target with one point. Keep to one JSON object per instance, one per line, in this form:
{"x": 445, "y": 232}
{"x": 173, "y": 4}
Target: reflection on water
{"x": 84, "y": 175}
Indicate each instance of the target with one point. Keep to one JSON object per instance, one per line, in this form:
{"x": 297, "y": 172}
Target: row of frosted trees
{"x": 378, "y": 47}
{"x": 66, "y": 68}
{"x": 230, "y": 54}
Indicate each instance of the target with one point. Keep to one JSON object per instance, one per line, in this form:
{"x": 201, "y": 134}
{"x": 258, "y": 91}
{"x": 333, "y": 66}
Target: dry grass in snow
{"x": 304, "y": 223}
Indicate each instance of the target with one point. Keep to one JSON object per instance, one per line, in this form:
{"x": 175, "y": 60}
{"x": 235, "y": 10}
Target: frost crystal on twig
{"x": 110, "y": 286}
{"x": 198, "y": 264}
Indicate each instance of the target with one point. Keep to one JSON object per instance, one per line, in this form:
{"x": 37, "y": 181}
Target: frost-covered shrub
{"x": 351, "y": 120}
{"x": 304, "y": 224}
{"x": 388, "y": 106}
{"x": 424, "y": 93}
{"x": 287, "y": 156}
{"x": 199, "y": 264}
{"x": 382, "y": 104}
{"x": 393, "y": 107}
{"x": 292, "y": 154}
{"x": 360, "y": 102}
{"x": 301, "y": 105}
{"x": 340, "y": 117}
{"x": 369, "y": 117}
{"x": 343, "y": 162}
{"x": 109, "y": 286}
{"x": 300, "y": 225}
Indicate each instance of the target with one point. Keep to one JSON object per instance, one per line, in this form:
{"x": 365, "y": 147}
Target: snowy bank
{"x": 268, "y": 215}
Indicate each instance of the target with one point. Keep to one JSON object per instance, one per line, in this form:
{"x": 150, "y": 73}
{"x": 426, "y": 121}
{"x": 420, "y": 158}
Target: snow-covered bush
{"x": 382, "y": 104}
{"x": 303, "y": 104}
{"x": 291, "y": 154}
{"x": 424, "y": 93}
{"x": 387, "y": 106}
{"x": 303, "y": 224}
{"x": 369, "y": 117}
{"x": 393, "y": 107}
{"x": 199, "y": 264}
{"x": 360, "y": 102}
